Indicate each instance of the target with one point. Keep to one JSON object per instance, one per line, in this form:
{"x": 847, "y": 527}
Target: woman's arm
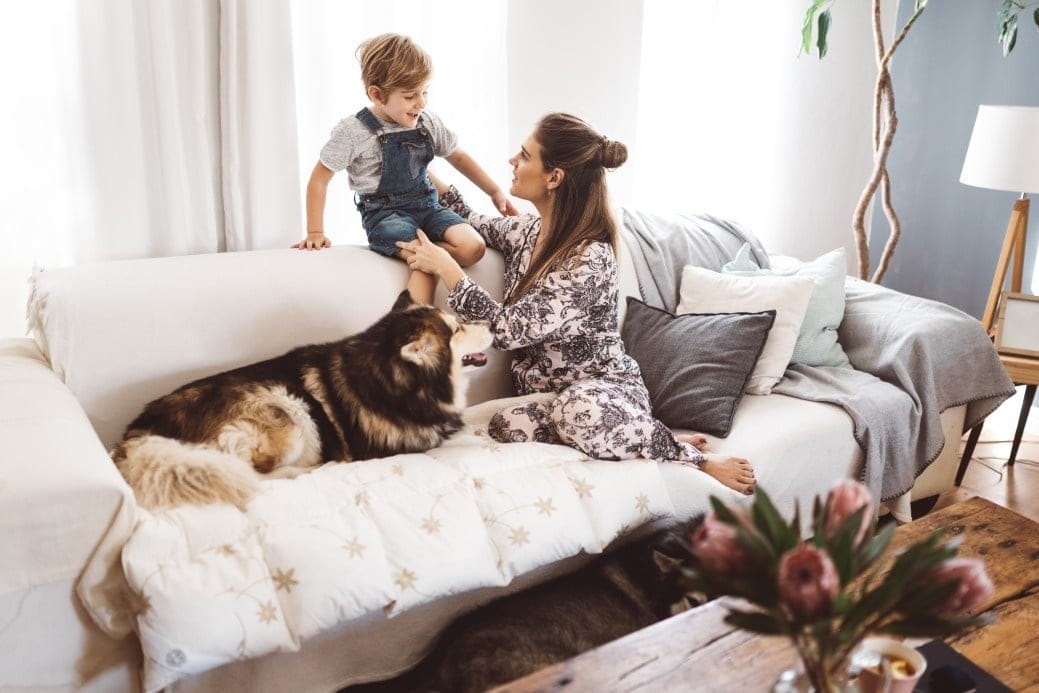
{"x": 559, "y": 298}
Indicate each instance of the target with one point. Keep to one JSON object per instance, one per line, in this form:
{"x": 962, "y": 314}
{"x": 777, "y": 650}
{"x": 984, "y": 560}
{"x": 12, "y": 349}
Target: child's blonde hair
{"x": 392, "y": 61}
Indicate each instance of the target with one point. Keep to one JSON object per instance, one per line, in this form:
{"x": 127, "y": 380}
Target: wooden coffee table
{"x": 697, "y": 650}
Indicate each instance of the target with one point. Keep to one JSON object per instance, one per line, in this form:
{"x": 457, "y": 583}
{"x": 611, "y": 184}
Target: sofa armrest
{"x": 66, "y": 508}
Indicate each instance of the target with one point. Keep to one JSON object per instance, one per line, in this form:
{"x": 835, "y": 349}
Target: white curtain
{"x": 731, "y": 122}
{"x": 465, "y": 39}
{"x": 260, "y": 163}
{"x": 145, "y": 128}
{"x": 110, "y": 150}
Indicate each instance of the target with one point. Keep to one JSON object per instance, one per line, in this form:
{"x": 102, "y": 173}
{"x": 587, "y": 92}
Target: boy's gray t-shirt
{"x": 353, "y": 147}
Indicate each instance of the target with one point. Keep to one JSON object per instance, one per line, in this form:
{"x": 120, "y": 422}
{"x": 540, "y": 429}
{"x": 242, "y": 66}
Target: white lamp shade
{"x": 1003, "y": 153}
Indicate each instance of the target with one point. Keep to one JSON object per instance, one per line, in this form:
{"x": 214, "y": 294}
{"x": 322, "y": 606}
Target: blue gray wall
{"x": 951, "y": 232}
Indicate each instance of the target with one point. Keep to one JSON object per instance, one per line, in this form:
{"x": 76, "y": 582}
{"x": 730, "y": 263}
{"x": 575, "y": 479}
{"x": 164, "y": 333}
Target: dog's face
{"x": 433, "y": 332}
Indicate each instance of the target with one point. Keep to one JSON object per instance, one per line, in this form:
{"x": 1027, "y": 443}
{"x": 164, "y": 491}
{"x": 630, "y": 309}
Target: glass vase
{"x": 810, "y": 676}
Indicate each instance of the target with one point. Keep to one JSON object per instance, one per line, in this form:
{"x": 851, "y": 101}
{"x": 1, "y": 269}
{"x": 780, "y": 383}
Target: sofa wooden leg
{"x": 1022, "y": 419}
{"x": 968, "y": 451}
{"x": 921, "y": 507}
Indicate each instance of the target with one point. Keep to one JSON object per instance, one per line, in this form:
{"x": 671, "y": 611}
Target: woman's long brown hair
{"x": 581, "y": 213}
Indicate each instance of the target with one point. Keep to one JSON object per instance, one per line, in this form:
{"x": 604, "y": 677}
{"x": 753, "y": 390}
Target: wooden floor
{"x": 988, "y": 476}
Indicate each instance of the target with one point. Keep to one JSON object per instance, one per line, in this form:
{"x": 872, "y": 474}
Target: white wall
{"x": 579, "y": 56}
{"x": 753, "y": 133}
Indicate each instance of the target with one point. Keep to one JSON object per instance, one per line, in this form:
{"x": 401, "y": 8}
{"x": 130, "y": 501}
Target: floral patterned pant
{"x": 605, "y": 420}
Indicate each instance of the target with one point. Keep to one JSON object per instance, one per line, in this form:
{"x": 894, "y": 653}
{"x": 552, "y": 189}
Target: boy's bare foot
{"x": 697, "y": 440}
{"x": 734, "y": 472}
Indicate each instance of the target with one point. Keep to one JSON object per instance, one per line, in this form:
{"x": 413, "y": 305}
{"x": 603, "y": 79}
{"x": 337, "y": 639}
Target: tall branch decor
{"x": 885, "y": 120}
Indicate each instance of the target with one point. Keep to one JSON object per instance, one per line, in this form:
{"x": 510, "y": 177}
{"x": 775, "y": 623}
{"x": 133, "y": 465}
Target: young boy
{"x": 385, "y": 150}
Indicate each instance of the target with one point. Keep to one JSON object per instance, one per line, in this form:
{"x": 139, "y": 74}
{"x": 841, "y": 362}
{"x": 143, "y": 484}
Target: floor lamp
{"x": 1003, "y": 154}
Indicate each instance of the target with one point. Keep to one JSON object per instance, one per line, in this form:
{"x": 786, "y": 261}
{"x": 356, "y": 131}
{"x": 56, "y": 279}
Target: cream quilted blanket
{"x": 213, "y": 584}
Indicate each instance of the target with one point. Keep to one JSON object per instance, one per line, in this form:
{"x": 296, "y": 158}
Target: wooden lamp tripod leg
{"x": 1013, "y": 246}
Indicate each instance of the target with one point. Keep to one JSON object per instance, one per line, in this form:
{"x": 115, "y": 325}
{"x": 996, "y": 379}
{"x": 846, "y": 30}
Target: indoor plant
{"x": 816, "y": 25}
{"x": 829, "y": 592}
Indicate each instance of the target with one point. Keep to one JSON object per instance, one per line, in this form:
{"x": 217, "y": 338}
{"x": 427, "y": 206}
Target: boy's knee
{"x": 471, "y": 251}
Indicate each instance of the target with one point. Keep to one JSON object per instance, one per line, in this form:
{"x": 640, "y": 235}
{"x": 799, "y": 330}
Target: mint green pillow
{"x": 817, "y": 343}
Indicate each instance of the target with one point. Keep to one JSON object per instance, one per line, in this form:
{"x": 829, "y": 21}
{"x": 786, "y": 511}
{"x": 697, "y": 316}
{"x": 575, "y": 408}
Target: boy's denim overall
{"x": 405, "y": 199}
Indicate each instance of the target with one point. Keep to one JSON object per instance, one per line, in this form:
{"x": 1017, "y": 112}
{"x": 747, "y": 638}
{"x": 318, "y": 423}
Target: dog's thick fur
{"x": 396, "y": 387}
{"x": 621, "y": 591}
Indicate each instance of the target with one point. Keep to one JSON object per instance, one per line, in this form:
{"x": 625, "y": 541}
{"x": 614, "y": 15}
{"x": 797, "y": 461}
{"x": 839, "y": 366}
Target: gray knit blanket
{"x": 912, "y": 358}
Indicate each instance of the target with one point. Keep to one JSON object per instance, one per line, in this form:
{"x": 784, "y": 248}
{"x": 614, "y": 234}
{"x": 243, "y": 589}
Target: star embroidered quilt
{"x": 213, "y": 584}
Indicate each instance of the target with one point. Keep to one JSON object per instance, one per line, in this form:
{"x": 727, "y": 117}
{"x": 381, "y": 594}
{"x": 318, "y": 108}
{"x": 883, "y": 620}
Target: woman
{"x": 559, "y": 316}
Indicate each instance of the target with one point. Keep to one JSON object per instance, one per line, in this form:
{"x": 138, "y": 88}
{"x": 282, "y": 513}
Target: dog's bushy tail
{"x": 165, "y": 473}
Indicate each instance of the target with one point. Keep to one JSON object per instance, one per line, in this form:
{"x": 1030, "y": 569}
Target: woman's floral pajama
{"x": 563, "y": 337}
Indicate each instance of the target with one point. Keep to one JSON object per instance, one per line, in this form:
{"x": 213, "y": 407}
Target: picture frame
{"x": 1017, "y": 327}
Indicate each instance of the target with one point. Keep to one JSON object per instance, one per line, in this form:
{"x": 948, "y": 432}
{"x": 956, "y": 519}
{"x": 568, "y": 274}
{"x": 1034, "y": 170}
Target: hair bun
{"x": 614, "y": 153}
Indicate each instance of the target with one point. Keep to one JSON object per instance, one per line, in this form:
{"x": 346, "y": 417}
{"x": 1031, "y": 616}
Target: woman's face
{"x": 529, "y": 178}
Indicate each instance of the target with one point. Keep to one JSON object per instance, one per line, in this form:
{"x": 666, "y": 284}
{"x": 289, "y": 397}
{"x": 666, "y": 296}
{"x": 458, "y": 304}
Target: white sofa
{"x": 109, "y": 337}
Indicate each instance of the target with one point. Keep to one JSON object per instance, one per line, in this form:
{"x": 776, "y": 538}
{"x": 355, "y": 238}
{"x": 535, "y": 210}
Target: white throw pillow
{"x": 817, "y": 343}
{"x": 704, "y": 291}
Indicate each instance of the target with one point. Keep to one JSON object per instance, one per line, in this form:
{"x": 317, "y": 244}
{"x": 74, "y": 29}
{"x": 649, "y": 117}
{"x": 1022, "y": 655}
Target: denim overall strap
{"x": 369, "y": 120}
{"x": 405, "y": 156}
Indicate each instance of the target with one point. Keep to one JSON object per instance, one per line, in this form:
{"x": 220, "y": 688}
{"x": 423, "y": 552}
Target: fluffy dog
{"x": 627, "y": 588}
{"x": 396, "y": 387}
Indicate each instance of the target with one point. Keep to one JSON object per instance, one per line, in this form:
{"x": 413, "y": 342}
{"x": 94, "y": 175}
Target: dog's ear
{"x": 422, "y": 351}
{"x": 666, "y": 563}
{"x": 403, "y": 301}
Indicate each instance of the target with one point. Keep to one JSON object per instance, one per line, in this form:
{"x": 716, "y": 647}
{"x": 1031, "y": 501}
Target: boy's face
{"x": 402, "y": 106}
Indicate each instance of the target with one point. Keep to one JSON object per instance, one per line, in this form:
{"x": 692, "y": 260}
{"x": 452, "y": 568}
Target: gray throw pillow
{"x": 695, "y": 365}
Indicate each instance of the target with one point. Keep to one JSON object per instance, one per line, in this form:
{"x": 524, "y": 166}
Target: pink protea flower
{"x": 808, "y": 582}
{"x": 975, "y": 586}
{"x": 844, "y": 499}
{"x": 718, "y": 547}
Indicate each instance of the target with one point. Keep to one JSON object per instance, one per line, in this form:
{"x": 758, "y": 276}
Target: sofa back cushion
{"x": 122, "y": 333}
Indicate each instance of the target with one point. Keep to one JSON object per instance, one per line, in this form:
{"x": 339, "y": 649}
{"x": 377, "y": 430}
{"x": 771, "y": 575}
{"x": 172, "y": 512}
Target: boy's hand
{"x": 503, "y": 204}
{"x": 315, "y": 240}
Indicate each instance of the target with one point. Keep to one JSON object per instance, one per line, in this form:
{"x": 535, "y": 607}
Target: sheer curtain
{"x": 142, "y": 129}
{"x": 146, "y": 128}
{"x": 731, "y": 122}
{"x": 465, "y": 39}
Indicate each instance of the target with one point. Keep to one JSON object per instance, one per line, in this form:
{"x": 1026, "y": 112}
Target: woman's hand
{"x": 426, "y": 256}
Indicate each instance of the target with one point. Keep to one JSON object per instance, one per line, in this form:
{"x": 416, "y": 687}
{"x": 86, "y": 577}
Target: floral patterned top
{"x": 564, "y": 328}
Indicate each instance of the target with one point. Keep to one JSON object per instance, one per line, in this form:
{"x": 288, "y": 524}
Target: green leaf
{"x": 758, "y": 622}
{"x": 934, "y": 627}
{"x": 771, "y": 525}
{"x": 922, "y": 600}
{"x": 1008, "y": 35}
{"x": 809, "y": 24}
{"x": 824, "y": 29}
{"x": 872, "y": 548}
{"x": 722, "y": 511}
{"x": 760, "y": 549}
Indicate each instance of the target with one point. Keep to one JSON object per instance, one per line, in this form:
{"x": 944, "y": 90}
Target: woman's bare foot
{"x": 697, "y": 440}
{"x": 734, "y": 472}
